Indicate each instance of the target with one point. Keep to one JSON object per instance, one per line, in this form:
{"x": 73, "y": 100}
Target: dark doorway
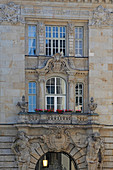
{"x": 56, "y": 161}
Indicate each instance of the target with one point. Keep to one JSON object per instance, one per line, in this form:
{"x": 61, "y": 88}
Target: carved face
{"x": 21, "y": 135}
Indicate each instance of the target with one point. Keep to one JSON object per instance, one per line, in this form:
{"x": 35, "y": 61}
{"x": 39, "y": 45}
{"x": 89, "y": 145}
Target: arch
{"x": 59, "y": 159}
{"x": 77, "y": 154}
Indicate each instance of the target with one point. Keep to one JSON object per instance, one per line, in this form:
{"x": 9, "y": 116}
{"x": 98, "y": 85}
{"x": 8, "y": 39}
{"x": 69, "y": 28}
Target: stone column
{"x": 41, "y": 30}
{"x": 71, "y": 38}
{"x": 71, "y": 91}
{"x": 41, "y": 93}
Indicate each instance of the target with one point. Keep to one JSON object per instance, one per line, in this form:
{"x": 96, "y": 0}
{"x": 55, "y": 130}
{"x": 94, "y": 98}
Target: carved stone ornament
{"x": 95, "y": 151}
{"x": 23, "y": 105}
{"x": 11, "y": 13}
{"x": 57, "y": 64}
{"x": 79, "y": 139}
{"x": 100, "y": 16}
{"x": 70, "y": 28}
{"x": 92, "y": 106}
{"x": 56, "y": 140}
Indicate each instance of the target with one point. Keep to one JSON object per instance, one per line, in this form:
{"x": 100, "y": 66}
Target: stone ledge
{"x": 56, "y": 118}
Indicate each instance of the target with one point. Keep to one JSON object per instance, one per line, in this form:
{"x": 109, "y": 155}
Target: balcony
{"x": 70, "y": 118}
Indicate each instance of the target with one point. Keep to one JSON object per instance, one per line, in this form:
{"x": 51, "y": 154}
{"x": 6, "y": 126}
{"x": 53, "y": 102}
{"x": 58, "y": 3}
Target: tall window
{"x": 55, "y": 94}
{"x": 79, "y": 97}
{"x": 31, "y": 39}
{"x": 31, "y": 96}
{"x": 79, "y": 41}
{"x": 55, "y": 40}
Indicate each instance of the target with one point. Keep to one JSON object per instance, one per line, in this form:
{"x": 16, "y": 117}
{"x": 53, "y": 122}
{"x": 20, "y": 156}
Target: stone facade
{"x": 87, "y": 136}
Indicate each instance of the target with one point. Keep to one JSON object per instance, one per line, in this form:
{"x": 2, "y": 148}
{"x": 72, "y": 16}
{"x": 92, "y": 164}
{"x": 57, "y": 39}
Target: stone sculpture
{"x": 21, "y": 148}
{"x": 23, "y": 104}
{"x": 92, "y": 106}
{"x": 95, "y": 150}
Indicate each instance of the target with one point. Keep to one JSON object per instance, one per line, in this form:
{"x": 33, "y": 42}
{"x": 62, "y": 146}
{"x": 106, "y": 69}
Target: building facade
{"x": 56, "y": 84}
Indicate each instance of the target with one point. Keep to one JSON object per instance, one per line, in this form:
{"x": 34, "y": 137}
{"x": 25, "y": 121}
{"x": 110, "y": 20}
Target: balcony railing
{"x": 56, "y": 118}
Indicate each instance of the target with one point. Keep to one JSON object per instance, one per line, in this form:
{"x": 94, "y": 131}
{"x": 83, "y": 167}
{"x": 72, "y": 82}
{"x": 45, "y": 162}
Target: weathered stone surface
{"x": 94, "y": 70}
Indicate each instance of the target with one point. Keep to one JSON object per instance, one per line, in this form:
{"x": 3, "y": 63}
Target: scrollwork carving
{"x": 57, "y": 64}
{"x": 56, "y": 140}
{"x": 11, "y": 13}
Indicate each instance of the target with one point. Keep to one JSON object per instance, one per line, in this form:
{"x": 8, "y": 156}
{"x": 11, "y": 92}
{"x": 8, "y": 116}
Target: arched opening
{"x": 56, "y": 161}
{"x": 55, "y": 94}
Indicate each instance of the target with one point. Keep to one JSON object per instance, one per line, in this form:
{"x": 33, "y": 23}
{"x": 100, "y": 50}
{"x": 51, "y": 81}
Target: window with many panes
{"x": 79, "y": 97}
{"x": 55, "y": 94}
{"x": 78, "y": 41}
{"x": 31, "y": 96}
{"x": 55, "y": 40}
{"x": 31, "y": 39}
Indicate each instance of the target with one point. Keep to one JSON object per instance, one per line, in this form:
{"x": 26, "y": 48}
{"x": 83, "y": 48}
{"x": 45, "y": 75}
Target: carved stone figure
{"x": 10, "y": 12}
{"x": 23, "y": 104}
{"x": 100, "y": 16}
{"x": 21, "y": 148}
{"x": 95, "y": 151}
{"x": 92, "y": 106}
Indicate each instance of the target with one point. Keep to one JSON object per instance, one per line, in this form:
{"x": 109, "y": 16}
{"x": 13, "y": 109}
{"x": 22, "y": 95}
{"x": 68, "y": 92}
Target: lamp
{"x": 45, "y": 162}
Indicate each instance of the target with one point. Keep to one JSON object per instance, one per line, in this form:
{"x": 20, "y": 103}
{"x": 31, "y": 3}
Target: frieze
{"x": 11, "y": 13}
{"x": 54, "y": 11}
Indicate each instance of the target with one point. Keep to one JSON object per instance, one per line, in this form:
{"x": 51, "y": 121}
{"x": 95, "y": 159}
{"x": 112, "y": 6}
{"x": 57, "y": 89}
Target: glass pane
{"x": 61, "y": 103}
{"x": 59, "y": 100}
{"x": 52, "y": 100}
{"x": 52, "y": 81}
{"x": 48, "y": 100}
{"x": 58, "y": 81}
{"x": 48, "y": 82}
{"x": 48, "y": 89}
{"x": 52, "y": 89}
{"x": 58, "y": 90}
{"x": 80, "y": 86}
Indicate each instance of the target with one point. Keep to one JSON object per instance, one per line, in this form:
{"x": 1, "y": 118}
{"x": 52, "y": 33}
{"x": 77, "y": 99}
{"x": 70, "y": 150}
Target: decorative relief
{"x": 11, "y": 12}
{"x": 56, "y": 140}
{"x": 57, "y": 64}
{"x": 100, "y": 16}
{"x": 95, "y": 151}
{"x": 41, "y": 28}
{"x": 70, "y": 28}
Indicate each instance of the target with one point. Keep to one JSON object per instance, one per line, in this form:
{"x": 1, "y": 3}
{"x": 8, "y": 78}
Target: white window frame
{"x": 33, "y": 105}
{"x": 55, "y": 38}
{"x": 79, "y": 95}
{"x": 55, "y": 95}
{"x": 78, "y": 40}
{"x": 32, "y": 38}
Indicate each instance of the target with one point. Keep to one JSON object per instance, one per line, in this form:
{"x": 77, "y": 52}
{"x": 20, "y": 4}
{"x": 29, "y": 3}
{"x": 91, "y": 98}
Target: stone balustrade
{"x": 56, "y": 118}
